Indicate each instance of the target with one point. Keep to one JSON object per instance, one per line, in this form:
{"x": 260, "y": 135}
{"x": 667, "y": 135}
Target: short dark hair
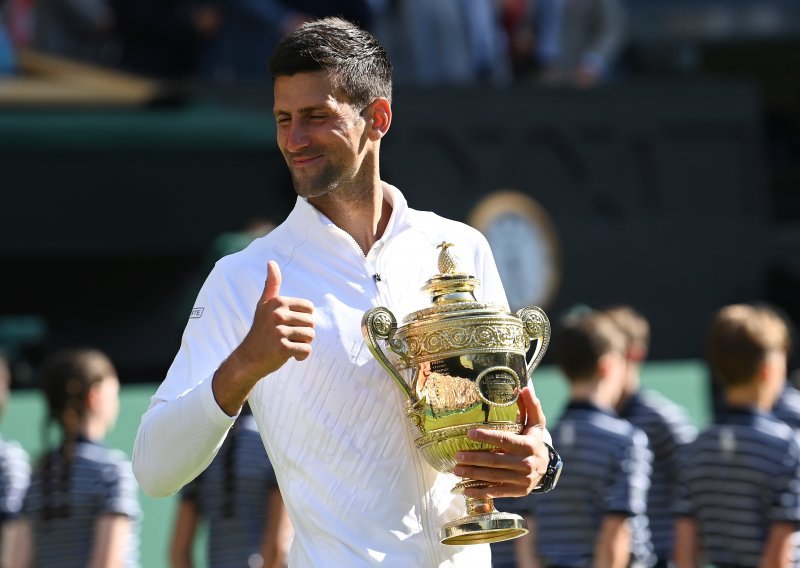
{"x": 739, "y": 339}
{"x": 581, "y": 340}
{"x": 357, "y": 62}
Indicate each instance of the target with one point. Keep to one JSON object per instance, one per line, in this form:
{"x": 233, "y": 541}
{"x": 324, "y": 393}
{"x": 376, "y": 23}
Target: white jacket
{"x": 357, "y": 490}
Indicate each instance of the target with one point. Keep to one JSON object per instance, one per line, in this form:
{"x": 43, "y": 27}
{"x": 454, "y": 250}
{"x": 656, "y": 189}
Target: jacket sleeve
{"x": 183, "y": 427}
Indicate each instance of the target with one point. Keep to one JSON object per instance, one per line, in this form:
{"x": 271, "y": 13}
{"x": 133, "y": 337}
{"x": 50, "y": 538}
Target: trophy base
{"x": 482, "y": 529}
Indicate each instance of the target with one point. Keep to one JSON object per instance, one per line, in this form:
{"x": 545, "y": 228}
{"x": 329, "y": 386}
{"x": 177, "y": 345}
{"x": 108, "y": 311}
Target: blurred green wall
{"x": 682, "y": 381}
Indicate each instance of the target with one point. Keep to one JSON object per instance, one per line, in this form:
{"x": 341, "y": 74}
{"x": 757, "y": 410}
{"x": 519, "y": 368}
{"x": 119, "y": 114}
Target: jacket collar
{"x": 314, "y": 224}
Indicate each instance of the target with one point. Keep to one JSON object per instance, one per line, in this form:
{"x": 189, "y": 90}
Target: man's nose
{"x": 296, "y": 136}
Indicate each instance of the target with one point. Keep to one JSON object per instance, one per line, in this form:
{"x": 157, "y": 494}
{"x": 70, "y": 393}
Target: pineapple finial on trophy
{"x": 447, "y": 263}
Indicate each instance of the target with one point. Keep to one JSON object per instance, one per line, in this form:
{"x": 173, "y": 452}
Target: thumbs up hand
{"x": 283, "y": 328}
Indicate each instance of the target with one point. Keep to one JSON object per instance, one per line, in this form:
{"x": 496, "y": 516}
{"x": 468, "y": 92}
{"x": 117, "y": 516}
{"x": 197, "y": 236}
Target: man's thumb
{"x": 272, "y": 287}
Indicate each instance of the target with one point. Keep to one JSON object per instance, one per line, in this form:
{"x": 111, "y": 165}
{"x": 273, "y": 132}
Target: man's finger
{"x": 506, "y": 441}
{"x": 272, "y": 286}
{"x": 530, "y": 407}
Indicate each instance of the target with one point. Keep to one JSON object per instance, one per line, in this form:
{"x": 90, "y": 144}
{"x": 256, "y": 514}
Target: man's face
{"x": 321, "y": 136}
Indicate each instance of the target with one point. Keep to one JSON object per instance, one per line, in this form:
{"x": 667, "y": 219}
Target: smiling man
{"x": 281, "y": 328}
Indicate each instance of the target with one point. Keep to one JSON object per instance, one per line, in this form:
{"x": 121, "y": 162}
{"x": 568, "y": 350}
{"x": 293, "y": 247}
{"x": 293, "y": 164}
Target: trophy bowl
{"x": 465, "y": 364}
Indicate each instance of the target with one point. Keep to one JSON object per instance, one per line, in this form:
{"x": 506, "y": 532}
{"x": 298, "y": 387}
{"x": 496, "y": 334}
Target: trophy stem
{"x": 479, "y": 506}
{"x": 482, "y": 523}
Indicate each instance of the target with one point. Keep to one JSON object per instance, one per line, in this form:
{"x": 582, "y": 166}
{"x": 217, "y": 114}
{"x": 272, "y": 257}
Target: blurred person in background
{"x": 15, "y": 473}
{"x": 451, "y": 42}
{"x": 238, "y": 47}
{"x": 565, "y": 42}
{"x": 82, "y": 506}
{"x": 83, "y": 30}
{"x": 7, "y": 59}
{"x": 596, "y": 518}
{"x": 666, "y": 424}
{"x": 238, "y": 496}
{"x": 739, "y": 486}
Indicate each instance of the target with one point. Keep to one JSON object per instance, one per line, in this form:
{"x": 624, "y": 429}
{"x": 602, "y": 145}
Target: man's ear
{"x": 379, "y": 118}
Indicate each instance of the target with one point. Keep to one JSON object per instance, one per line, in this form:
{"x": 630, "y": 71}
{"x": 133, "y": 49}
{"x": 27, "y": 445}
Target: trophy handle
{"x": 537, "y": 326}
{"x": 380, "y": 323}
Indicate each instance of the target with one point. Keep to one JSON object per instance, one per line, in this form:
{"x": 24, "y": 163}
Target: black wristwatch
{"x": 550, "y": 477}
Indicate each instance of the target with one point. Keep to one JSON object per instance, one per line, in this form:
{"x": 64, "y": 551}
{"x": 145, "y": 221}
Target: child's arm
{"x": 111, "y": 534}
{"x": 183, "y": 534}
{"x": 525, "y": 547}
{"x": 686, "y": 548}
{"x": 613, "y": 546}
{"x": 778, "y": 549}
{"x": 278, "y": 533}
{"x": 18, "y": 541}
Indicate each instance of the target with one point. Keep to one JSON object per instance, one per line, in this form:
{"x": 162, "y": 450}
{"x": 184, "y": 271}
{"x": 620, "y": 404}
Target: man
{"x": 357, "y": 490}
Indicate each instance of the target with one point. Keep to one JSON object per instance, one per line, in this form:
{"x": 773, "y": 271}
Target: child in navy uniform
{"x": 740, "y": 483}
{"x": 596, "y": 515}
{"x": 82, "y": 507}
{"x": 238, "y": 496}
{"x": 666, "y": 424}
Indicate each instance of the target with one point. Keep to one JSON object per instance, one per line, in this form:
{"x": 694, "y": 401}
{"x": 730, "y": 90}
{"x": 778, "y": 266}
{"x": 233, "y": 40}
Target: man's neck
{"x": 364, "y": 217}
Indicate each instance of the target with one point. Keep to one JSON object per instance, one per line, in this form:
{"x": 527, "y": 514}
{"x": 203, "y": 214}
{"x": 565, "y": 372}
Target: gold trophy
{"x": 465, "y": 364}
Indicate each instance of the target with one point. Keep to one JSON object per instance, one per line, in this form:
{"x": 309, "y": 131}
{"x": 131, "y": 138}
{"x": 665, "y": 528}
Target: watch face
{"x": 524, "y": 246}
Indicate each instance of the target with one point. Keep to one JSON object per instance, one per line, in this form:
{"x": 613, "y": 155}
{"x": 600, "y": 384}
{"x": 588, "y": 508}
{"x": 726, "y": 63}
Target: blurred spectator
{"x": 82, "y": 507}
{"x": 15, "y": 473}
{"x": 237, "y": 47}
{"x": 740, "y": 483}
{"x": 572, "y": 42}
{"x": 238, "y": 496}
{"x": 7, "y": 64}
{"x": 450, "y": 42}
{"x": 515, "y": 20}
{"x": 77, "y": 29}
{"x": 666, "y": 424}
{"x": 596, "y": 516}
{"x": 18, "y": 15}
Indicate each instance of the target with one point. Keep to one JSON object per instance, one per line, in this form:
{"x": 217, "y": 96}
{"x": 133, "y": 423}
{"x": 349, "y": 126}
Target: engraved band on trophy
{"x": 466, "y": 363}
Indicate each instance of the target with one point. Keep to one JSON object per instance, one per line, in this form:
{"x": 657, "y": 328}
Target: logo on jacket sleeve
{"x": 196, "y": 313}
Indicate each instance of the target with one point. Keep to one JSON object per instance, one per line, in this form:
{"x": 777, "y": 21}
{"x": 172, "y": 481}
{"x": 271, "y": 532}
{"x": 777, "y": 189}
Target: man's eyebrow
{"x": 303, "y": 110}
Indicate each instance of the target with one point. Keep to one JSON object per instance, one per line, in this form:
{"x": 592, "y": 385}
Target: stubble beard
{"x": 316, "y": 186}
{"x": 331, "y": 178}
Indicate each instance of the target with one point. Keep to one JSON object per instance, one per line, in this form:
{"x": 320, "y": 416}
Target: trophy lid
{"x": 450, "y": 286}
{"x": 452, "y": 292}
